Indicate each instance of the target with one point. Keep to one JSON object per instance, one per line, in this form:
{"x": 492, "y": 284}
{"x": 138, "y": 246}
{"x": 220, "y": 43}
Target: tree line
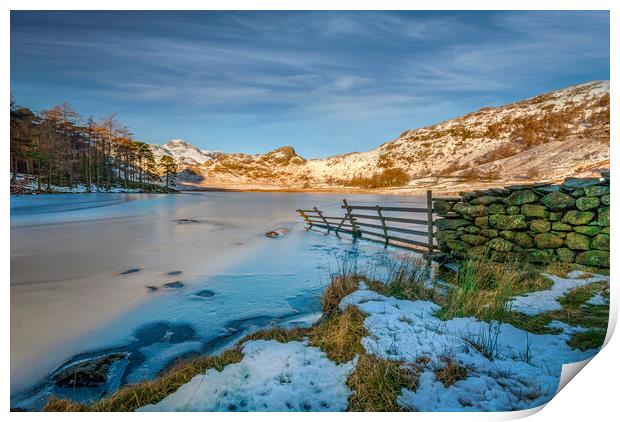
{"x": 60, "y": 147}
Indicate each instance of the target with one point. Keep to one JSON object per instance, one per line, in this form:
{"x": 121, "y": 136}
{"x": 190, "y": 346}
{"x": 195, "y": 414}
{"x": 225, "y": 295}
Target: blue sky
{"x": 323, "y": 82}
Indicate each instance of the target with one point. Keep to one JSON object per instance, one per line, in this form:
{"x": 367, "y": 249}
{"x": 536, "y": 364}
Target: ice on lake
{"x": 69, "y": 296}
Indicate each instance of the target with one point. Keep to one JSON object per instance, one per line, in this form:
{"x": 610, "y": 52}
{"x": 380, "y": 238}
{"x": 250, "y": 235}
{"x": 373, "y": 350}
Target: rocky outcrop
{"x": 542, "y": 223}
{"x": 88, "y": 373}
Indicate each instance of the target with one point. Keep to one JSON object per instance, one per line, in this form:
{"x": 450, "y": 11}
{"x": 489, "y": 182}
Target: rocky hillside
{"x": 548, "y": 137}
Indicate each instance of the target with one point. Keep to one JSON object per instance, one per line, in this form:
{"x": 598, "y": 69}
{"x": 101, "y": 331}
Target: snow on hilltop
{"x": 183, "y": 152}
{"x": 547, "y": 137}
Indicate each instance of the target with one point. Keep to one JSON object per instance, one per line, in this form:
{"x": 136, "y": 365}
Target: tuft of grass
{"x": 450, "y": 372}
{"x": 578, "y": 296}
{"x": 483, "y": 287}
{"x": 340, "y": 336}
{"x": 376, "y": 384}
{"x": 534, "y": 324}
{"x": 486, "y": 342}
{"x": 339, "y": 287}
{"x": 279, "y": 334}
{"x": 590, "y": 339}
{"x": 409, "y": 279}
{"x": 55, "y": 404}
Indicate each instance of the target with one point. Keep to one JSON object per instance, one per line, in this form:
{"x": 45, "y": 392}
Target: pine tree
{"x": 168, "y": 169}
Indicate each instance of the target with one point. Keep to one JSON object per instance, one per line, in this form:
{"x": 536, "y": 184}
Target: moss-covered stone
{"x": 442, "y": 208}
{"x": 578, "y": 218}
{"x": 474, "y": 239}
{"x": 501, "y": 245}
{"x": 513, "y": 210}
{"x": 507, "y": 234}
{"x": 540, "y": 226}
{"x": 596, "y": 190}
{"x": 593, "y": 258}
{"x": 557, "y": 201}
{"x": 561, "y": 234}
{"x": 457, "y": 245}
{"x": 477, "y": 210}
{"x": 601, "y": 242}
{"x": 577, "y": 193}
{"x": 538, "y": 256}
{"x": 531, "y": 210}
{"x": 490, "y": 233}
{"x": 521, "y": 197}
{"x": 487, "y": 200}
{"x": 481, "y": 221}
{"x": 603, "y": 216}
{"x": 586, "y": 203}
{"x": 451, "y": 223}
{"x": 562, "y": 227}
{"x": 587, "y": 230}
{"x": 565, "y": 255}
{"x": 508, "y": 222}
{"x": 460, "y": 208}
{"x": 548, "y": 241}
{"x": 577, "y": 241}
{"x": 523, "y": 240}
{"x": 471, "y": 229}
{"x": 497, "y": 209}
{"x": 445, "y": 235}
{"x": 605, "y": 199}
{"x": 555, "y": 216}
{"x": 606, "y": 230}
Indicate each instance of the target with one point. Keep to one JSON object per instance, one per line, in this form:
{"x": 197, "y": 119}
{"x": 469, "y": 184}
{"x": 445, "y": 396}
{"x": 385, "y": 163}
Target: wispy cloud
{"x": 320, "y": 69}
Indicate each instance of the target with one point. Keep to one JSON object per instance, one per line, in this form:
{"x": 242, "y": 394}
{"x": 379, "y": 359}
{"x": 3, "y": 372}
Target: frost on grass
{"x": 547, "y": 300}
{"x": 507, "y": 368}
{"x": 272, "y": 376}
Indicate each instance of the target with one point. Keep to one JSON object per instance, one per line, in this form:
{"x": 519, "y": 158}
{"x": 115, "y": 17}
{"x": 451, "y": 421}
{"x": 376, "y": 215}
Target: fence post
{"x": 354, "y": 228}
{"x": 385, "y": 231}
{"x": 329, "y": 228}
{"x": 305, "y": 217}
{"x": 429, "y": 216}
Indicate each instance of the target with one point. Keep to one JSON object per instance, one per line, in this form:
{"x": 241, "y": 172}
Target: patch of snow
{"x": 271, "y": 376}
{"x": 535, "y": 303}
{"x": 597, "y": 300}
{"x": 566, "y": 328}
{"x": 507, "y": 368}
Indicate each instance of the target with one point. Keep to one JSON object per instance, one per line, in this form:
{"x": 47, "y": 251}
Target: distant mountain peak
{"x": 183, "y": 152}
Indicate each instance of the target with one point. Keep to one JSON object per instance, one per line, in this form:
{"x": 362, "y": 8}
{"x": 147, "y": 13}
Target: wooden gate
{"x": 390, "y": 225}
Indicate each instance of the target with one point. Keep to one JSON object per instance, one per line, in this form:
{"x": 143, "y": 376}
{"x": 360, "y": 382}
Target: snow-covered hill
{"x": 547, "y": 137}
{"x": 183, "y": 152}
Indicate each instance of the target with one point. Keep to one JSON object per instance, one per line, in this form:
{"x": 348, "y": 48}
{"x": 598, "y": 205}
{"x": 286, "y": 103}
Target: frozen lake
{"x": 199, "y": 273}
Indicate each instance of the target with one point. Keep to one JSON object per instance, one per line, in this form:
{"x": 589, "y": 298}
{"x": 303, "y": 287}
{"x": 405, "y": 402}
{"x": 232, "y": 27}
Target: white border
{"x": 591, "y": 396}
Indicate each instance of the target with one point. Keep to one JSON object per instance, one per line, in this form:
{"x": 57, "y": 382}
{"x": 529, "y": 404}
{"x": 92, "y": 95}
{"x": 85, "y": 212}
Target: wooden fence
{"x": 375, "y": 223}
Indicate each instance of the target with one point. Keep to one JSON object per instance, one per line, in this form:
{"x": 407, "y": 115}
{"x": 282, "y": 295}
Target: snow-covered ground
{"x": 517, "y": 370}
{"x": 535, "y": 303}
{"x": 272, "y": 376}
{"x": 29, "y": 184}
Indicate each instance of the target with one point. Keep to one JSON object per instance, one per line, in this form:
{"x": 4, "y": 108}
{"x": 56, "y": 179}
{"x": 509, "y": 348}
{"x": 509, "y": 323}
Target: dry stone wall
{"x": 541, "y": 223}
